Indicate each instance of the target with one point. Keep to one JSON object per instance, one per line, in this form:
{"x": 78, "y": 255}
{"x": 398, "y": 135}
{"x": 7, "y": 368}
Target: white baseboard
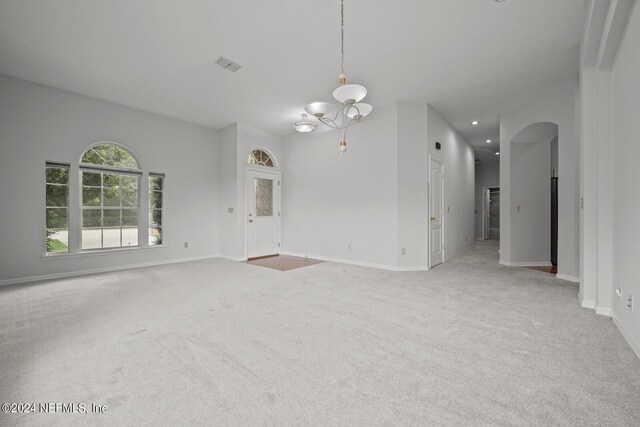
{"x": 633, "y": 343}
{"x": 525, "y": 263}
{"x": 568, "y": 278}
{"x": 413, "y": 268}
{"x": 42, "y": 277}
{"x": 232, "y": 258}
{"x": 358, "y": 263}
{"x": 588, "y": 304}
{"x": 603, "y": 311}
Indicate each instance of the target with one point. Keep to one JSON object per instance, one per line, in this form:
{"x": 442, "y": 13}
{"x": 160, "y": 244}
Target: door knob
{"x": 250, "y": 220}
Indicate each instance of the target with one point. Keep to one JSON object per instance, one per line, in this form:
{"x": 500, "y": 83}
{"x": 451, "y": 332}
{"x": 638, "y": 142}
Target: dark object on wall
{"x": 438, "y": 145}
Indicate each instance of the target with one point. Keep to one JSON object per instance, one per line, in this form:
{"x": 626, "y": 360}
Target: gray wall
{"x": 39, "y": 123}
{"x": 626, "y": 223}
{"x": 531, "y": 202}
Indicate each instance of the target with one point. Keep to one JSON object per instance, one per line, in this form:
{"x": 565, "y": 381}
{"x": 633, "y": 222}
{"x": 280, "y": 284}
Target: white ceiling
{"x": 471, "y": 59}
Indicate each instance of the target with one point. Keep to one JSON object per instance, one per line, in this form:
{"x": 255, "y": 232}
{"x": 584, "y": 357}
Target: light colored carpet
{"x": 223, "y": 343}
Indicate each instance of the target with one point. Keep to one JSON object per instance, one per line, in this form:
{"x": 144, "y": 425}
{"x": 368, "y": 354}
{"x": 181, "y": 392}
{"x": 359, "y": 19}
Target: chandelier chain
{"x": 342, "y": 35}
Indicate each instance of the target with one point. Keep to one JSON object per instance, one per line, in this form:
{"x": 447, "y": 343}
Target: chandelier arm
{"x": 329, "y": 122}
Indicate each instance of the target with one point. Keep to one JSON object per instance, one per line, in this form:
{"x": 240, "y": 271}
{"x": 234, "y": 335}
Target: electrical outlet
{"x": 630, "y": 302}
{"x": 186, "y": 244}
{"x": 404, "y": 251}
{"x": 349, "y": 247}
{"x": 619, "y": 292}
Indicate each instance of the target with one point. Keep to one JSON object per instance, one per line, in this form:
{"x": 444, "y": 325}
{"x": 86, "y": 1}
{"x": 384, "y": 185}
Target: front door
{"x": 263, "y": 214}
{"x": 436, "y": 231}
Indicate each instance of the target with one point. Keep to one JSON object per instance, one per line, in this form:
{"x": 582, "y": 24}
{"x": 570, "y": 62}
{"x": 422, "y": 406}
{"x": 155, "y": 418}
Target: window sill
{"x": 101, "y": 252}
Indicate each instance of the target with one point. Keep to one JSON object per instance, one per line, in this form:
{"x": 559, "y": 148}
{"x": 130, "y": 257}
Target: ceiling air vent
{"x": 228, "y": 65}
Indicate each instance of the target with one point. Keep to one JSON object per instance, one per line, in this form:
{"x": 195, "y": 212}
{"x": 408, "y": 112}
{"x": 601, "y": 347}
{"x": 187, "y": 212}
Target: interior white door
{"x": 487, "y": 213}
{"x": 263, "y": 213}
{"x": 436, "y": 230}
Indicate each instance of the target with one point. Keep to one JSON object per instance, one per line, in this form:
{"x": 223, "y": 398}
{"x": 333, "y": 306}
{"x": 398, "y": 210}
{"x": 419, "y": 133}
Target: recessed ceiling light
{"x": 475, "y": 122}
{"x": 497, "y": 153}
{"x": 488, "y": 141}
{"x": 499, "y": 1}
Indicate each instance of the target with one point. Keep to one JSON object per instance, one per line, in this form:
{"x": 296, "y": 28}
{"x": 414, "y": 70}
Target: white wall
{"x": 487, "y": 175}
{"x": 230, "y": 241}
{"x": 375, "y": 196}
{"x": 531, "y": 197}
{"x": 413, "y": 186}
{"x": 330, "y": 200}
{"x": 556, "y": 104}
{"x": 458, "y": 159}
{"x": 626, "y": 173}
{"x": 40, "y": 123}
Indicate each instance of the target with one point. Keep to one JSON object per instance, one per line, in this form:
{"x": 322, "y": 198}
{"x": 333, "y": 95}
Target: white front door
{"x": 436, "y": 230}
{"x": 263, "y": 213}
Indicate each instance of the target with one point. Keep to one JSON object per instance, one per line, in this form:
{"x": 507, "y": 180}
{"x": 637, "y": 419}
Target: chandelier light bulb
{"x": 343, "y": 146}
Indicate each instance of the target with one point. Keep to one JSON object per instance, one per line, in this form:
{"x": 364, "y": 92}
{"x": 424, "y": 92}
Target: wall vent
{"x": 228, "y": 65}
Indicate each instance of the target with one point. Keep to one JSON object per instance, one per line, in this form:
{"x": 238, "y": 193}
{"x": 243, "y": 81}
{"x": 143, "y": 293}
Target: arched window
{"x": 261, "y": 158}
{"x": 110, "y": 200}
{"x": 110, "y": 155}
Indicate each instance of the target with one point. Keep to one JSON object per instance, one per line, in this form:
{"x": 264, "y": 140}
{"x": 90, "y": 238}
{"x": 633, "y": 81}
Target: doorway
{"x": 436, "y": 220}
{"x": 491, "y": 213}
{"x": 263, "y": 213}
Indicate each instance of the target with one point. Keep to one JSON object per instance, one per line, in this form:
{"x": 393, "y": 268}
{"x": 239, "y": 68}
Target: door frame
{"x": 429, "y": 213}
{"x": 267, "y": 170}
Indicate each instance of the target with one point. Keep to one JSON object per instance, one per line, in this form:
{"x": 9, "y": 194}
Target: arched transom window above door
{"x": 261, "y": 158}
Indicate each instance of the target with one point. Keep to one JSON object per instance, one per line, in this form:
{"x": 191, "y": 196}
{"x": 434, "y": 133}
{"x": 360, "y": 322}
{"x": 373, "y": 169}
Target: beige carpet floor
{"x": 222, "y": 343}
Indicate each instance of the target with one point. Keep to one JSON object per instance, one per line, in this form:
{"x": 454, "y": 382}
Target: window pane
{"x": 155, "y": 183}
{"x": 57, "y": 240}
{"x": 264, "y": 197}
{"x": 155, "y": 200}
{"x": 111, "y": 218}
{"x": 57, "y": 175}
{"x": 110, "y": 155}
{"x": 260, "y": 157}
{"x": 129, "y": 182}
{"x": 111, "y": 196}
{"x": 155, "y": 236}
{"x": 57, "y": 218}
{"x": 110, "y": 180}
{"x": 129, "y": 236}
{"x": 92, "y": 179}
{"x": 91, "y": 196}
{"x": 111, "y": 237}
{"x": 91, "y": 238}
{"x": 91, "y": 218}
{"x": 57, "y": 195}
{"x": 129, "y": 197}
{"x": 130, "y": 217}
{"x": 156, "y": 218}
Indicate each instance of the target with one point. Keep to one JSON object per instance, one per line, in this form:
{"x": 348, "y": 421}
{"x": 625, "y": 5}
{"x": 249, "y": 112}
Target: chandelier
{"x": 346, "y": 109}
